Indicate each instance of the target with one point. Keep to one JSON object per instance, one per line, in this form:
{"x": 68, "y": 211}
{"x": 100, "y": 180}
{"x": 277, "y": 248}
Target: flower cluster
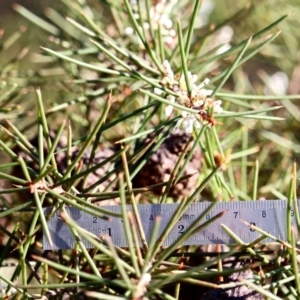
{"x": 160, "y": 14}
{"x": 198, "y": 99}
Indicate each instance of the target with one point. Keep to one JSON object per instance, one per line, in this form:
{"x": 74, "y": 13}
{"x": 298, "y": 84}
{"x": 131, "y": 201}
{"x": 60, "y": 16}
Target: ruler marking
{"x": 269, "y": 215}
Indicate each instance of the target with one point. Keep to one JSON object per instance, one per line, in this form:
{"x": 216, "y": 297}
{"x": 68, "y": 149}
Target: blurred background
{"x": 282, "y": 55}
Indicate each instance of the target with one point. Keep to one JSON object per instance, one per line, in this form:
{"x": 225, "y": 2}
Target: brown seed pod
{"x": 238, "y": 293}
{"x": 160, "y": 166}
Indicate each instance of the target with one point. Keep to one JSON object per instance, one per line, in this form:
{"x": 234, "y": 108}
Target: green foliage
{"x": 98, "y": 70}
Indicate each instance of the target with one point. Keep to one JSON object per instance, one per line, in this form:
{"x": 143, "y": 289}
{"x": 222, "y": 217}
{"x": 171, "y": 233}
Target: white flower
{"x": 217, "y": 106}
{"x": 169, "y": 108}
{"x": 198, "y": 93}
{"x": 192, "y": 79}
{"x": 188, "y": 122}
{"x": 167, "y": 68}
{"x": 198, "y": 104}
{"x": 169, "y": 75}
{"x": 146, "y": 25}
{"x": 160, "y": 15}
{"x": 183, "y": 98}
{"x": 202, "y": 18}
{"x": 205, "y": 93}
{"x": 223, "y": 38}
{"x": 158, "y": 91}
{"x": 128, "y": 30}
{"x": 198, "y": 99}
{"x": 203, "y": 83}
{"x": 277, "y": 84}
{"x": 166, "y": 21}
